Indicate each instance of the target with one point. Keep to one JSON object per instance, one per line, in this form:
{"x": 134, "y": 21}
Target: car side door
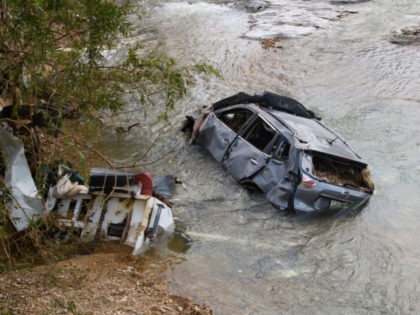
{"x": 251, "y": 150}
{"x": 221, "y": 129}
{"x": 274, "y": 180}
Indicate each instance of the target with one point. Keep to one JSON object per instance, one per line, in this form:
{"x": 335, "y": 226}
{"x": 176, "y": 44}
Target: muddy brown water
{"x": 235, "y": 252}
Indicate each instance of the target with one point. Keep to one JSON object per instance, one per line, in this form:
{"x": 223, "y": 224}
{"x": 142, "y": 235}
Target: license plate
{"x": 336, "y": 204}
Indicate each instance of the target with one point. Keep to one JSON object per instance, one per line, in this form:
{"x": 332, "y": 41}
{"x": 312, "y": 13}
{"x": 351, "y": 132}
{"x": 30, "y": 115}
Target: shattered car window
{"x": 261, "y": 135}
{"x": 235, "y": 119}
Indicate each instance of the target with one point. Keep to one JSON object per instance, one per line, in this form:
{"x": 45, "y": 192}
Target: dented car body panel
{"x": 298, "y": 162}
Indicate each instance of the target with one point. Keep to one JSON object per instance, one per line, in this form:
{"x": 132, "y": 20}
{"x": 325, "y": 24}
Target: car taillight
{"x": 307, "y": 182}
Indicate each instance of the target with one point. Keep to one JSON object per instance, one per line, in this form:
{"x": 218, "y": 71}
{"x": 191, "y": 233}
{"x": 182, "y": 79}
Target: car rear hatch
{"x": 332, "y": 182}
{"x": 339, "y": 171}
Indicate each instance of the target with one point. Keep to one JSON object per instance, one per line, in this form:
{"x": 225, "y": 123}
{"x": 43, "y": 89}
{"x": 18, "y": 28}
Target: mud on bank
{"x": 101, "y": 283}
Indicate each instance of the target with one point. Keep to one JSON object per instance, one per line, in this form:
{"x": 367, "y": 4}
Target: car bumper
{"x": 326, "y": 196}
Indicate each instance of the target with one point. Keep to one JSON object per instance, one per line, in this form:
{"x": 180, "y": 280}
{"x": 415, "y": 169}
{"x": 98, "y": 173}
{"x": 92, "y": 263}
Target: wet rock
{"x": 252, "y": 6}
{"x": 407, "y": 36}
{"x": 255, "y": 6}
{"x": 290, "y": 21}
{"x": 347, "y": 1}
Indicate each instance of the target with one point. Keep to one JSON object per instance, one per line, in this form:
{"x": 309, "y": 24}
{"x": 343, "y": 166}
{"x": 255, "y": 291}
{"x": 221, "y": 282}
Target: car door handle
{"x": 254, "y": 161}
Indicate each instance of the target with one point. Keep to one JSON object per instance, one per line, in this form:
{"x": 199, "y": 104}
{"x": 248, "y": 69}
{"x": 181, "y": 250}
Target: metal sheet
{"x": 25, "y": 203}
{"x": 215, "y": 136}
{"x": 244, "y": 160}
{"x": 274, "y": 183}
{"x": 164, "y": 185}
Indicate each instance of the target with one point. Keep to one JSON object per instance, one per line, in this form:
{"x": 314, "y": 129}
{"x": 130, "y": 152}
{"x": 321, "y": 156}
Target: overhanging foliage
{"x": 51, "y": 56}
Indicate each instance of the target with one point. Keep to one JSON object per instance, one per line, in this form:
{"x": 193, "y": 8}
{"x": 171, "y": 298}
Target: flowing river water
{"x": 234, "y": 251}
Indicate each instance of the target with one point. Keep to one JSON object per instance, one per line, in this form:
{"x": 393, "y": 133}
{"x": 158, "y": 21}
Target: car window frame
{"x": 281, "y": 139}
{"x": 244, "y": 126}
{"x": 268, "y": 149}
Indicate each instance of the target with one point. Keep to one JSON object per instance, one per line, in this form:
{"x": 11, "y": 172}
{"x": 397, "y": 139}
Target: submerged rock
{"x": 407, "y": 36}
{"x": 255, "y": 6}
{"x": 252, "y": 6}
{"x": 283, "y": 20}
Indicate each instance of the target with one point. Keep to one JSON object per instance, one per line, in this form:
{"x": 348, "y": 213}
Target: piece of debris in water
{"x": 119, "y": 206}
{"x": 272, "y": 43}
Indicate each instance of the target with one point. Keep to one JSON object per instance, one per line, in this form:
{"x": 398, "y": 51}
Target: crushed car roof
{"x": 312, "y": 135}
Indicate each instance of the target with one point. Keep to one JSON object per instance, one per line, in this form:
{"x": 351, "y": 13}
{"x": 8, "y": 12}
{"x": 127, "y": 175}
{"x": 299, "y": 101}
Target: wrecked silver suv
{"x": 275, "y": 144}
